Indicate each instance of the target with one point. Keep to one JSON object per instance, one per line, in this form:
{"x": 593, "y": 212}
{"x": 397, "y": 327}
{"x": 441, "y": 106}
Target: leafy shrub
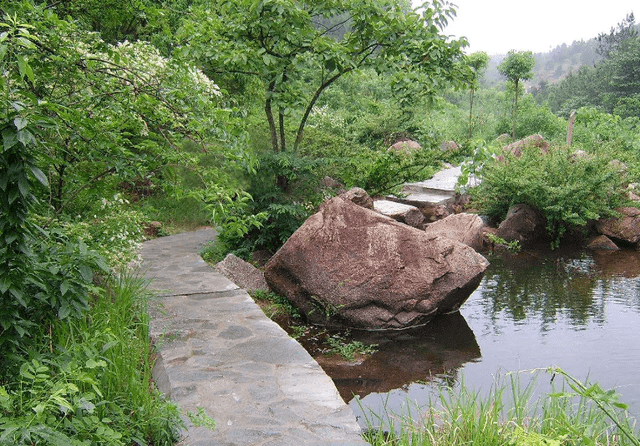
{"x": 87, "y": 380}
{"x": 597, "y": 130}
{"x": 265, "y": 216}
{"x": 339, "y": 344}
{"x": 533, "y": 119}
{"x": 568, "y": 190}
{"x": 115, "y": 231}
{"x": 379, "y": 172}
{"x": 275, "y": 304}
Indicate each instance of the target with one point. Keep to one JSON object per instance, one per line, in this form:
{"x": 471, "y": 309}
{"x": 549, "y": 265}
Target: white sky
{"x": 497, "y": 26}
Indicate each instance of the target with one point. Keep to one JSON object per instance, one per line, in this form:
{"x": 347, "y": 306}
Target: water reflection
{"x": 438, "y": 349}
{"x": 550, "y": 286}
{"x": 576, "y": 310}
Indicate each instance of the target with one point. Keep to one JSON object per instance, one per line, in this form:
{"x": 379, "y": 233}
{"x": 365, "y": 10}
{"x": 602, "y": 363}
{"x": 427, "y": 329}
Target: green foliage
{"x": 267, "y": 221}
{"x": 471, "y": 169}
{"x": 612, "y": 84}
{"x": 88, "y": 380}
{"x": 535, "y": 119}
{"x": 276, "y": 305}
{"x": 508, "y": 415}
{"x": 298, "y": 49}
{"x": 478, "y": 62}
{"x": 115, "y": 232}
{"x": 43, "y": 276}
{"x": 512, "y": 246}
{"x": 568, "y": 190}
{"x": 201, "y": 418}
{"x": 516, "y": 67}
{"x": 339, "y": 344}
{"x": 610, "y": 43}
{"x": 383, "y": 171}
{"x": 607, "y": 401}
{"x": 609, "y": 136}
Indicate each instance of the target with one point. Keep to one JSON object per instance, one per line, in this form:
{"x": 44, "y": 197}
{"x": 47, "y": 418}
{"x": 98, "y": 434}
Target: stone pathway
{"x": 219, "y": 352}
{"x": 440, "y": 188}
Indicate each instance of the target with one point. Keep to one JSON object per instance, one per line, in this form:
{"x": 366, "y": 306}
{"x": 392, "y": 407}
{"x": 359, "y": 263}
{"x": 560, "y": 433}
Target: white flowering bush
{"x": 115, "y": 231}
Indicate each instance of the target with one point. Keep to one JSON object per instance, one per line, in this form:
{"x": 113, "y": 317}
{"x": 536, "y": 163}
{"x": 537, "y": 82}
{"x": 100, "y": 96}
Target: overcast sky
{"x": 497, "y": 26}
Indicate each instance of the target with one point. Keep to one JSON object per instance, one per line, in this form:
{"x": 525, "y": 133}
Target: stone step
{"x": 433, "y": 197}
{"x": 441, "y": 187}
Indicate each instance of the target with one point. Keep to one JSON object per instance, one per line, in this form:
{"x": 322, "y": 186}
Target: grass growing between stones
{"x": 574, "y": 413}
{"x": 273, "y": 305}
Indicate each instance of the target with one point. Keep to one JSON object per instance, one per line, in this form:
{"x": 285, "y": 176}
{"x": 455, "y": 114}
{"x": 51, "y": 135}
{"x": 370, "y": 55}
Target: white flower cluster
{"x": 321, "y": 117}
{"x": 148, "y": 66}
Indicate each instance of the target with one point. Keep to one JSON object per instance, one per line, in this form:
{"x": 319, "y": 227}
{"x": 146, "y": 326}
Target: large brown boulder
{"x": 464, "y": 228}
{"x": 349, "y": 266}
{"x": 626, "y": 228}
{"x": 524, "y": 224}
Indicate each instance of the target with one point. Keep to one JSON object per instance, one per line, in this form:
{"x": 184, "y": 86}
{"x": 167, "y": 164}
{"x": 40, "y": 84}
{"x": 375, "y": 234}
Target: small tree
{"x": 516, "y": 67}
{"x": 478, "y": 62}
{"x": 297, "y": 49}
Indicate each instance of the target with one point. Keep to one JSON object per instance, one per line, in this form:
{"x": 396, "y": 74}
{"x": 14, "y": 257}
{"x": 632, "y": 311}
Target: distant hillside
{"x": 551, "y": 66}
{"x": 554, "y": 65}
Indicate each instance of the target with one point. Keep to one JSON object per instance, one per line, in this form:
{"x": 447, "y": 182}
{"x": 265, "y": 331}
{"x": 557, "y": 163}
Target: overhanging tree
{"x": 297, "y": 49}
{"x": 516, "y": 67}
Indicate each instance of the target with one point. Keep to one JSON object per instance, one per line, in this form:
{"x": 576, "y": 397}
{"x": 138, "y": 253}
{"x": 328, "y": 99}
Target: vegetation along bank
{"x": 125, "y": 120}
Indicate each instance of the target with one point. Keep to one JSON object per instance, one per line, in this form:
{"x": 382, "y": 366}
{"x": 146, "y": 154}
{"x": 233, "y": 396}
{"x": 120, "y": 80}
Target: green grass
{"x": 574, "y": 413}
{"x": 176, "y": 215}
{"x": 88, "y": 380}
{"x": 274, "y": 305}
{"x": 340, "y": 344}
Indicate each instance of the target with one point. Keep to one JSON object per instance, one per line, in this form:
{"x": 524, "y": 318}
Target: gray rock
{"x": 242, "y": 273}
{"x": 403, "y": 213}
{"x": 358, "y": 196}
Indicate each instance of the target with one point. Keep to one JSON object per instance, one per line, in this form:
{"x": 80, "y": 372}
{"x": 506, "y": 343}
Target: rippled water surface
{"x": 579, "y": 311}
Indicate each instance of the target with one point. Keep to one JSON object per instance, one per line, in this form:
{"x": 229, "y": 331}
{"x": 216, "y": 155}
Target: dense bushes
{"x": 569, "y": 190}
{"x": 532, "y": 119}
{"x": 87, "y": 380}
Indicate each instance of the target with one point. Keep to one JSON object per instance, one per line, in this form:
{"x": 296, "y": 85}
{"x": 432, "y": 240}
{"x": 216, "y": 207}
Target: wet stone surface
{"x": 219, "y": 352}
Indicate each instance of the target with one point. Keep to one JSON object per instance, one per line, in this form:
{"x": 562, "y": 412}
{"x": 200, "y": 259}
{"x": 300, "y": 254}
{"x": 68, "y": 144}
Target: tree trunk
{"x": 515, "y": 112}
{"x": 57, "y": 197}
{"x": 272, "y": 123}
{"x": 470, "y": 112}
{"x": 283, "y": 143}
{"x": 307, "y": 111}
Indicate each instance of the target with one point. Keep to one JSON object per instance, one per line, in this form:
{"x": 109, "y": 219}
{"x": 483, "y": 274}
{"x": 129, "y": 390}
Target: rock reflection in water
{"x": 618, "y": 263}
{"x": 403, "y": 357}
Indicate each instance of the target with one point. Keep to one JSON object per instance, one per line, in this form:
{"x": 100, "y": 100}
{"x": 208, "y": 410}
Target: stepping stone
{"x": 440, "y": 188}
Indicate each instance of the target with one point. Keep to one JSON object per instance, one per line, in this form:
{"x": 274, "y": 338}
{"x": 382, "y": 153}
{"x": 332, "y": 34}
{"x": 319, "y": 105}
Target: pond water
{"x": 579, "y": 311}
